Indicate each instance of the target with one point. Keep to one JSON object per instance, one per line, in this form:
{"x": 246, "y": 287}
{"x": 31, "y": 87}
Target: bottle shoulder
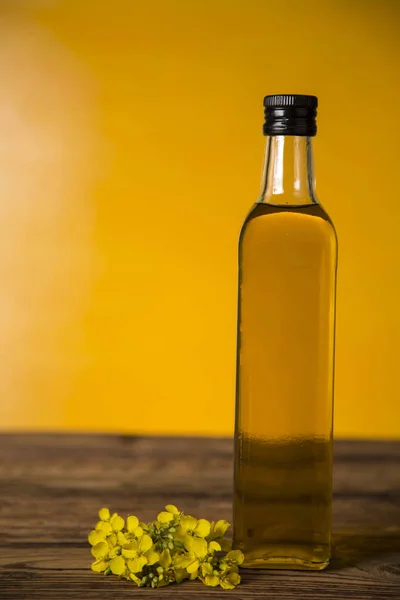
{"x": 304, "y": 221}
{"x": 263, "y": 210}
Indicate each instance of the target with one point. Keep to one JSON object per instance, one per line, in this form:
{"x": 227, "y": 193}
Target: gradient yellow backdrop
{"x": 130, "y": 152}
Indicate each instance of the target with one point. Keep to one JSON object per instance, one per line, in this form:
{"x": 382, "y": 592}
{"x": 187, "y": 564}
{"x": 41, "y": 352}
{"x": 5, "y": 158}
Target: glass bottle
{"x": 285, "y": 354}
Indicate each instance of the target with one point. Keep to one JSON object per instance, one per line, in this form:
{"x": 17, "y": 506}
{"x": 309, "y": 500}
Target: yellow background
{"x": 130, "y": 152}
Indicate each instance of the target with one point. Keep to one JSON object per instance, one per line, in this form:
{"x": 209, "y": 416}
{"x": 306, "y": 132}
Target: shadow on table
{"x": 352, "y": 549}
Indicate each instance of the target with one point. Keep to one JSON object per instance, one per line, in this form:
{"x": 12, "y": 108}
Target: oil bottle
{"x": 285, "y": 354}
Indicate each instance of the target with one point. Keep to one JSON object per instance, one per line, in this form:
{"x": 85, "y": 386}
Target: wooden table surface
{"x": 51, "y": 487}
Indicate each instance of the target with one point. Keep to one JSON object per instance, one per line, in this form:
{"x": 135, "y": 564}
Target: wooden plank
{"x": 51, "y": 487}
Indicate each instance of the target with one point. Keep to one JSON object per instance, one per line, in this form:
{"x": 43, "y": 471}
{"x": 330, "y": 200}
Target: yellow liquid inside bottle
{"x": 283, "y": 441}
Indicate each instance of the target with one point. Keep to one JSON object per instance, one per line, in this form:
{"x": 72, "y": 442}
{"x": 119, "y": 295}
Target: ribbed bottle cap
{"x": 290, "y": 114}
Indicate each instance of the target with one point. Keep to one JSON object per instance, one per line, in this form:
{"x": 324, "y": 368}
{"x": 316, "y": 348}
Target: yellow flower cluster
{"x": 170, "y": 549}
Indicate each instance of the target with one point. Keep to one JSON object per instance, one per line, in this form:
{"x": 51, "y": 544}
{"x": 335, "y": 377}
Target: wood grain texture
{"x": 51, "y": 487}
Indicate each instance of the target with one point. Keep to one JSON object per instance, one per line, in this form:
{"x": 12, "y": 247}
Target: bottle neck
{"x": 288, "y": 174}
